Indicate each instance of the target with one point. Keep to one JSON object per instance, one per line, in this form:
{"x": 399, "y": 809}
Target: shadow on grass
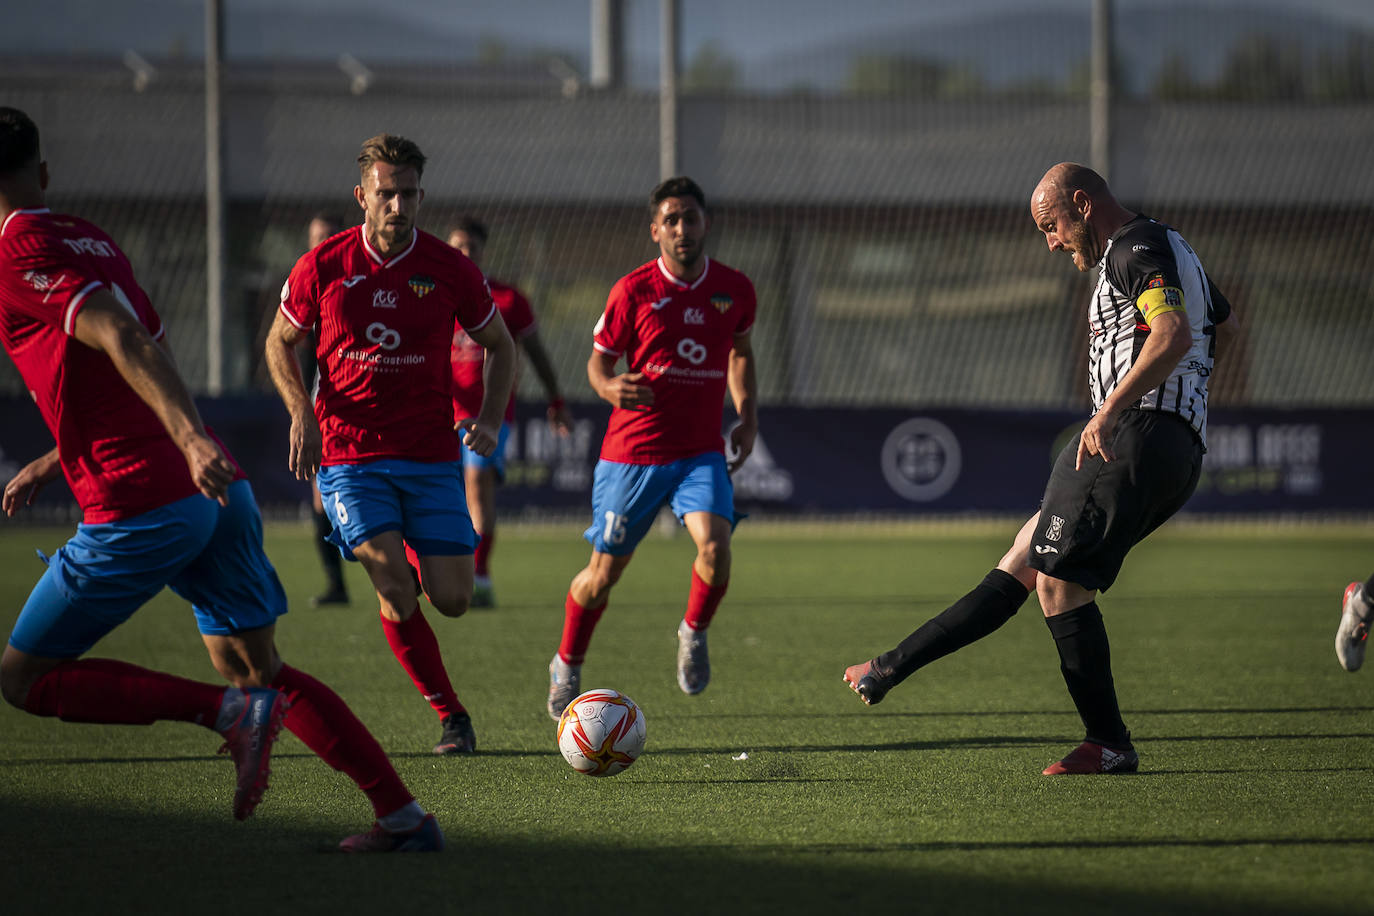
{"x": 70, "y": 859}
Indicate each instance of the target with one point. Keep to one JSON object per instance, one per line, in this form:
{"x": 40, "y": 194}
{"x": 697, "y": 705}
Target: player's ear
{"x": 43, "y": 175}
{"x": 359, "y": 196}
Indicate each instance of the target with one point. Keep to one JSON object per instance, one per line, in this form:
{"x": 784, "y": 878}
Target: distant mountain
{"x": 1020, "y": 46}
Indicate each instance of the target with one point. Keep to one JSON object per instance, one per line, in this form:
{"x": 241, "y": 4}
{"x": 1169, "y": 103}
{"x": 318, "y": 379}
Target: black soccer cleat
{"x": 458, "y": 736}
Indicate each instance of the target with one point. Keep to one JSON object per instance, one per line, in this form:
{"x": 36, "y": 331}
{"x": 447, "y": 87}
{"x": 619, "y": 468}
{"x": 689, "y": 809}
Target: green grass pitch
{"x": 1257, "y": 750}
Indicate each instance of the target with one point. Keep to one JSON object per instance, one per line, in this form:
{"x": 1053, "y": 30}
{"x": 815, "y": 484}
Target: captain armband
{"x": 1155, "y": 302}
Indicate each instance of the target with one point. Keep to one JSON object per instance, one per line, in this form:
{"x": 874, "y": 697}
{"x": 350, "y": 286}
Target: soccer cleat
{"x": 564, "y": 685}
{"x": 865, "y": 680}
{"x": 249, "y": 742}
{"x": 693, "y": 664}
{"x": 482, "y": 593}
{"x": 458, "y": 736}
{"x": 1091, "y": 757}
{"x": 1353, "y": 632}
{"x": 425, "y": 838}
{"x": 336, "y": 595}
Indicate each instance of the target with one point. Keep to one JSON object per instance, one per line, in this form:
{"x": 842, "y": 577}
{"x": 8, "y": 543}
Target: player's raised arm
{"x": 498, "y": 377}
{"x": 105, "y": 325}
{"x": 305, "y": 449}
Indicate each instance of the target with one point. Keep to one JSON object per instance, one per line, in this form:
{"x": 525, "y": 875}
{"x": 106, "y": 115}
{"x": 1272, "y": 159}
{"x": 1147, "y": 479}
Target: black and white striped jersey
{"x": 1141, "y": 257}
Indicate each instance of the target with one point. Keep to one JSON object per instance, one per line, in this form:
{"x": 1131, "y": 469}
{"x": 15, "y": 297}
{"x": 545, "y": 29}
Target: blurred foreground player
{"x": 163, "y": 505}
{"x": 681, "y": 322}
{"x": 1152, "y": 326}
{"x": 379, "y": 436}
{"x": 482, "y": 473}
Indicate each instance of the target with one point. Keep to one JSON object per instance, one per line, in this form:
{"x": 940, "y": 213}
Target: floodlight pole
{"x": 667, "y": 93}
{"x": 214, "y": 200}
{"x": 608, "y": 44}
{"x": 1100, "y": 90}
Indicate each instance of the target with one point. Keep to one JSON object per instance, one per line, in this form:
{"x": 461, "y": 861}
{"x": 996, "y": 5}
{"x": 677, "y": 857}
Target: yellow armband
{"x": 1157, "y": 301}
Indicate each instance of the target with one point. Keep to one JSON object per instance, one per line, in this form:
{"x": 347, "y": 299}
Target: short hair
{"x": 18, "y": 141}
{"x": 473, "y": 227}
{"x": 392, "y": 150}
{"x": 681, "y": 186}
{"x": 332, "y": 217}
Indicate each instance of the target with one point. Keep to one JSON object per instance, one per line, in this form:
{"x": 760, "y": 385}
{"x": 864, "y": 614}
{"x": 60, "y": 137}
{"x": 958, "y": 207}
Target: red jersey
{"x": 680, "y": 336}
{"x": 385, "y": 329}
{"x": 115, "y": 453}
{"x": 468, "y": 355}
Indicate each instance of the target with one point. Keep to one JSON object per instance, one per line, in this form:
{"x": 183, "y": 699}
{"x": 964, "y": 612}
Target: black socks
{"x": 1086, "y": 661}
{"x": 980, "y": 612}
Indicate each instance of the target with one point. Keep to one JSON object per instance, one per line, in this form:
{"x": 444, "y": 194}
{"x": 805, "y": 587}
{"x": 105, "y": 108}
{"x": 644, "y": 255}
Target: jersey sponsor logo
{"x": 722, "y": 302}
{"x": 383, "y": 336}
{"x": 1056, "y": 528}
{"x": 90, "y": 246}
{"x": 693, "y": 316}
{"x": 1140, "y": 248}
{"x": 354, "y": 280}
{"x": 660, "y": 303}
{"x": 1043, "y": 549}
{"x": 421, "y": 285}
{"x": 691, "y": 351}
{"x": 384, "y": 299}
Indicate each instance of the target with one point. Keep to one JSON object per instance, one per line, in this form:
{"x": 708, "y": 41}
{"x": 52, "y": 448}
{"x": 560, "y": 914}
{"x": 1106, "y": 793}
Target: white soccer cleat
{"x": 564, "y": 685}
{"x": 693, "y": 663}
{"x": 1353, "y": 632}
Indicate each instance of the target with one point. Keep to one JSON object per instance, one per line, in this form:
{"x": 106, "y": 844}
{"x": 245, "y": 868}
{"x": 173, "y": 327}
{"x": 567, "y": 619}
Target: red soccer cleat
{"x": 1090, "y": 757}
{"x": 865, "y": 680}
{"x": 249, "y": 742}
{"x": 425, "y": 838}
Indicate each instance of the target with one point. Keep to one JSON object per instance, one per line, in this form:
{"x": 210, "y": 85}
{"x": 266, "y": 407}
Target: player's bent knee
{"x": 455, "y": 607}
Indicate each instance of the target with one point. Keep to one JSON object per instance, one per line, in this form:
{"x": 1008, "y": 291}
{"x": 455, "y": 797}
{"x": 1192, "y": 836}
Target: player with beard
{"x": 681, "y": 322}
{"x": 1152, "y": 333}
{"x": 380, "y": 436}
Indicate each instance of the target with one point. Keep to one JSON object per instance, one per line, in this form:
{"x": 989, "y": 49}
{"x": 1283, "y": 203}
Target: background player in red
{"x": 681, "y": 322}
{"x": 380, "y": 435}
{"x": 482, "y": 473}
{"x": 163, "y": 505}
{"x": 323, "y": 225}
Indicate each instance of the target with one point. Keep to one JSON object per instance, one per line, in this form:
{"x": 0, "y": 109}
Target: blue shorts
{"x": 423, "y": 500}
{"x": 626, "y": 498}
{"x": 211, "y": 555}
{"x": 496, "y": 461}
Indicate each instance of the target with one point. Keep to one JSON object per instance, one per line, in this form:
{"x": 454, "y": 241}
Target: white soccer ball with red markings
{"x": 601, "y": 732}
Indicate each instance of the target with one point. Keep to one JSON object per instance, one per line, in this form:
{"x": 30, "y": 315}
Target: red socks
{"x": 702, "y": 601}
{"x": 578, "y": 624}
{"x": 110, "y": 692}
{"x": 326, "y": 725}
{"x": 482, "y": 553}
{"x": 416, "y": 648}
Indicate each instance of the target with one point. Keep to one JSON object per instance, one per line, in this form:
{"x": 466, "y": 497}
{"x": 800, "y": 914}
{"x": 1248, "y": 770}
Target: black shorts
{"x": 1090, "y": 518}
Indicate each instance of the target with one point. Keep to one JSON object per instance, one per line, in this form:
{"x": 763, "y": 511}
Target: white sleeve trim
{"x": 607, "y": 350}
{"x": 69, "y": 316}
{"x": 292, "y": 318}
{"x": 485, "y": 321}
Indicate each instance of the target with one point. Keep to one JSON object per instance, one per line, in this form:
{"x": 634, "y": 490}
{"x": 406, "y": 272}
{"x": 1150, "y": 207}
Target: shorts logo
{"x": 691, "y": 351}
{"x": 1056, "y": 528}
{"x": 722, "y": 302}
{"x": 422, "y": 285}
{"x": 383, "y": 336}
{"x": 384, "y": 299}
{"x": 693, "y": 316}
{"x": 1042, "y": 549}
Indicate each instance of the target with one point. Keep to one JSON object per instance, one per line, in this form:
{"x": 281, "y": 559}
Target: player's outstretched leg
{"x": 325, "y": 724}
{"x": 1353, "y": 631}
{"x": 250, "y": 721}
{"x": 992, "y": 603}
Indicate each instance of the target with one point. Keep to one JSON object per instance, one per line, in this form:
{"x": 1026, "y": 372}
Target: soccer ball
{"x": 601, "y": 732}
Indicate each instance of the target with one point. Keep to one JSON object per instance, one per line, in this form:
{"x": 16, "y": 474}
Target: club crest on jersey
{"x": 384, "y": 299}
{"x": 1172, "y": 298}
{"x": 693, "y": 316}
{"x": 40, "y": 282}
{"x": 422, "y": 285}
{"x": 722, "y": 302}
